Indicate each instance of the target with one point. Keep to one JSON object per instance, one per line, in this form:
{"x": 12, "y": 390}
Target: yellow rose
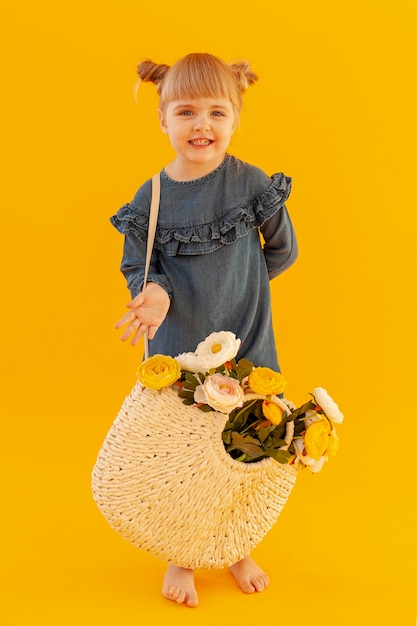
{"x": 272, "y": 412}
{"x": 333, "y": 444}
{"x": 158, "y": 371}
{"x": 266, "y": 382}
{"x": 317, "y": 438}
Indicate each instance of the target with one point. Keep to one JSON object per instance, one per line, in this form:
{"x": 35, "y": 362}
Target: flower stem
{"x": 243, "y": 409}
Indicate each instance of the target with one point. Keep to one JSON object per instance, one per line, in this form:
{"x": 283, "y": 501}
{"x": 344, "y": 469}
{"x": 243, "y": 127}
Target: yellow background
{"x": 335, "y": 109}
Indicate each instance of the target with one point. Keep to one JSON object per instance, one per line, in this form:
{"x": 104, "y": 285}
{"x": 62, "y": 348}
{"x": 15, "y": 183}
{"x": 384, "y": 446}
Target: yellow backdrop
{"x": 335, "y": 108}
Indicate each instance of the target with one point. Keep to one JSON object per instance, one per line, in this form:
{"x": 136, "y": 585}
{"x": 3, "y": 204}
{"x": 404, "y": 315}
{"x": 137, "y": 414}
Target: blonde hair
{"x": 199, "y": 75}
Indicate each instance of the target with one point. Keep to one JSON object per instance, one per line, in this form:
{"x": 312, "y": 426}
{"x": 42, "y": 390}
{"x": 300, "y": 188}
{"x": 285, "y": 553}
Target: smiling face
{"x": 200, "y": 131}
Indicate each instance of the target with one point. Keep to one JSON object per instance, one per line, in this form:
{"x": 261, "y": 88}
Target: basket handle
{"x": 153, "y": 219}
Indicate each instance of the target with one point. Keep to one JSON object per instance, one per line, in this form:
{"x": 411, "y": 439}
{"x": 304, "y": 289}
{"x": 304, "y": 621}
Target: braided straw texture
{"x": 165, "y": 482}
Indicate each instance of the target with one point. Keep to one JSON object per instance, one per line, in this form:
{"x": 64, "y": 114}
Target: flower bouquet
{"x": 260, "y": 423}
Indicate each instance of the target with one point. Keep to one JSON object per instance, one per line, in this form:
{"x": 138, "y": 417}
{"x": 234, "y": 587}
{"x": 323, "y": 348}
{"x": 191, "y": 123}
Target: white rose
{"x": 192, "y": 363}
{"x": 316, "y": 465}
{"x": 328, "y": 405}
{"x": 218, "y": 348}
{"x": 222, "y": 393}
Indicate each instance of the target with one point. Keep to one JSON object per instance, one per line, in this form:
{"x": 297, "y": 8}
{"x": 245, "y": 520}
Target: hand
{"x": 146, "y": 312}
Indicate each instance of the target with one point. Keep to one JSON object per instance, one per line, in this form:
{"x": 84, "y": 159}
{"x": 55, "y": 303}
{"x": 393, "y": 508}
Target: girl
{"x": 209, "y": 270}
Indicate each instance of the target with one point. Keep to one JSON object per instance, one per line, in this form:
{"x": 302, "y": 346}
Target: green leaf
{"x": 186, "y": 394}
{"x": 190, "y": 381}
{"x": 244, "y": 368}
{"x": 227, "y": 436}
{"x": 248, "y": 445}
{"x": 275, "y": 443}
{"x": 188, "y": 401}
{"x": 308, "y": 406}
{"x": 252, "y": 451}
{"x": 238, "y": 417}
{"x": 282, "y": 456}
{"x": 237, "y": 437}
{"x": 264, "y": 433}
{"x": 205, "y": 408}
{"x": 299, "y": 429}
{"x": 279, "y": 431}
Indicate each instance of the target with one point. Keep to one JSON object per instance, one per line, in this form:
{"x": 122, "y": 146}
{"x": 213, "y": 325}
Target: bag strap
{"x": 153, "y": 219}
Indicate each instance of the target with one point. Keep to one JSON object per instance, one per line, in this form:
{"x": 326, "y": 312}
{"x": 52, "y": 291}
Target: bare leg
{"x": 249, "y": 576}
{"x": 179, "y": 585}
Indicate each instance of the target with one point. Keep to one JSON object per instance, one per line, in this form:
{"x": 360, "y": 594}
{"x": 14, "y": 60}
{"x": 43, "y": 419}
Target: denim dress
{"x": 209, "y": 257}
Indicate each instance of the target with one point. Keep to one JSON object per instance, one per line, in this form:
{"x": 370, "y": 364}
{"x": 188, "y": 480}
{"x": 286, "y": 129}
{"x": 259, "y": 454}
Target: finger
{"x": 137, "y": 301}
{"x": 139, "y": 334}
{"x": 152, "y": 331}
{"x": 132, "y": 328}
{"x": 126, "y": 319}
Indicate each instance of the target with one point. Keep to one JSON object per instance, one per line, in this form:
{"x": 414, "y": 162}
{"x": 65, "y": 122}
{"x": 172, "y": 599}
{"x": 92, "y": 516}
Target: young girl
{"x": 209, "y": 271}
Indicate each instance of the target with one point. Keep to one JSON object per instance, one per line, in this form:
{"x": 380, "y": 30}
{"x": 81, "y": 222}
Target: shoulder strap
{"x": 153, "y": 219}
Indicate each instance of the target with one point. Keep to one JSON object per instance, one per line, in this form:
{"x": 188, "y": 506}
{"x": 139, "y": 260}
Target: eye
{"x": 185, "y": 112}
{"x": 218, "y": 113}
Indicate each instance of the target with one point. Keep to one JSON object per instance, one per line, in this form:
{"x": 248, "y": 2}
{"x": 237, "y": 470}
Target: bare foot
{"x": 179, "y": 586}
{"x": 249, "y": 576}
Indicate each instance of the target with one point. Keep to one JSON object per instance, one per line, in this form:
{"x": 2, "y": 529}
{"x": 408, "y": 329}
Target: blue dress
{"x": 209, "y": 257}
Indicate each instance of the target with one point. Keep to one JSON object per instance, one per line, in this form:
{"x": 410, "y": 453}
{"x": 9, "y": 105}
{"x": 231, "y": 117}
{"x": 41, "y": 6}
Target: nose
{"x": 202, "y": 122}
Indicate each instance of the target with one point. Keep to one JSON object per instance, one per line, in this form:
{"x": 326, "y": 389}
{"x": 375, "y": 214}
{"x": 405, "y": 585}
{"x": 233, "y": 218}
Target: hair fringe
{"x": 201, "y": 73}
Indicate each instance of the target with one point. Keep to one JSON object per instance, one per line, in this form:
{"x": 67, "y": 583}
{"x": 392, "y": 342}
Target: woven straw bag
{"x": 165, "y": 482}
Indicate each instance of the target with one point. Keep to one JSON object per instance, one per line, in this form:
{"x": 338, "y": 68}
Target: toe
{"x": 247, "y": 587}
{"x": 261, "y": 583}
{"x": 179, "y": 595}
{"x": 176, "y": 594}
{"x": 192, "y": 601}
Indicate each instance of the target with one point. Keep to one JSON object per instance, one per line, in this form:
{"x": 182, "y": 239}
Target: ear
{"x": 236, "y": 123}
{"x": 162, "y": 122}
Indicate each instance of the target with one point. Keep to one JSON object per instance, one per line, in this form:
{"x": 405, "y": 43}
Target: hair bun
{"x": 150, "y": 72}
{"x": 244, "y": 74}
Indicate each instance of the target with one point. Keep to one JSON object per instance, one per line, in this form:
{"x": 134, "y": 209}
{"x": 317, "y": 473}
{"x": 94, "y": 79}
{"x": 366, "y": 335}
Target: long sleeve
{"x": 133, "y": 266}
{"x": 280, "y": 249}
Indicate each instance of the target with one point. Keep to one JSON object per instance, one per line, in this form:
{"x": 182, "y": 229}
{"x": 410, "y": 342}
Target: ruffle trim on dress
{"x": 204, "y": 238}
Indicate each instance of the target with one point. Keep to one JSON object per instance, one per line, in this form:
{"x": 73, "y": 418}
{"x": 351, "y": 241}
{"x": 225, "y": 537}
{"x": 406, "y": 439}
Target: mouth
{"x": 201, "y": 142}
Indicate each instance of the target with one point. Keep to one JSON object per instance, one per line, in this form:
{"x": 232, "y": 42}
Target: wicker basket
{"x": 165, "y": 482}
